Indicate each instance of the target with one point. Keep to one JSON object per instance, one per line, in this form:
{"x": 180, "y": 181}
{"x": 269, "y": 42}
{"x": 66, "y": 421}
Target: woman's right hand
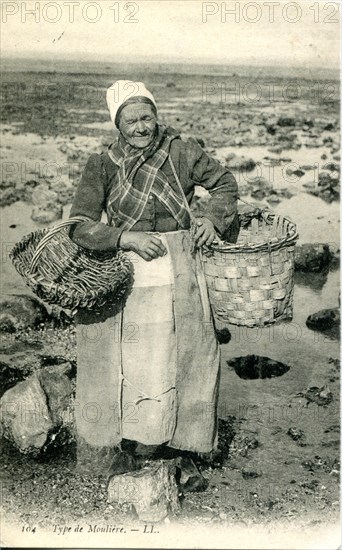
{"x": 144, "y": 244}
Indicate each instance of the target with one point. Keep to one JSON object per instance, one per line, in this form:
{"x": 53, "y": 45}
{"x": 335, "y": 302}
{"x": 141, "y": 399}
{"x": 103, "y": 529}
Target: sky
{"x": 293, "y": 33}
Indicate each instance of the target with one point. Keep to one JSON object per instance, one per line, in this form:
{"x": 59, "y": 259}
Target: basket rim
{"x": 266, "y": 246}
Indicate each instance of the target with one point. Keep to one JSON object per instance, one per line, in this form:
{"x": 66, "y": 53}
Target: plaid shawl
{"x": 139, "y": 175}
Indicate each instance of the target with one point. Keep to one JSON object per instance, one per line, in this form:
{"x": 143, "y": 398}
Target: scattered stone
{"x": 307, "y": 167}
{"x": 313, "y": 257}
{"x": 321, "y": 396}
{"x": 249, "y": 474}
{"x": 315, "y": 464}
{"x": 333, "y": 166}
{"x": 25, "y": 416}
{"x": 242, "y": 444}
{"x": 252, "y": 367}
{"x": 19, "y": 311}
{"x": 259, "y": 194}
{"x": 297, "y": 172}
{"x": 286, "y": 121}
{"x": 297, "y": 435}
{"x": 324, "y": 319}
{"x": 152, "y": 491}
{"x": 276, "y": 149}
{"x": 273, "y": 199}
{"x": 240, "y": 164}
{"x": 8, "y": 196}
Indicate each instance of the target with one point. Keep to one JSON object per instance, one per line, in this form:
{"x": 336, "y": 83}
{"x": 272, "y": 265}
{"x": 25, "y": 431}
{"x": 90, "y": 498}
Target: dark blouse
{"x": 193, "y": 166}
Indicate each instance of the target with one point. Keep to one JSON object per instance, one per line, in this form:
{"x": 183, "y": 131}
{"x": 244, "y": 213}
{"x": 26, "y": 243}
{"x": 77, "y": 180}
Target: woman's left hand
{"x": 205, "y": 232}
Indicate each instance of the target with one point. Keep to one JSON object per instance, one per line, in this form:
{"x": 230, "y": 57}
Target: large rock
{"x": 25, "y": 418}
{"x": 251, "y": 367}
{"x": 9, "y": 376}
{"x": 19, "y": 311}
{"x": 44, "y": 215}
{"x": 325, "y": 319}
{"x": 312, "y": 257}
{"x": 43, "y": 196}
{"x": 46, "y": 209}
{"x": 58, "y": 387}
{"x": 152, "y": 491}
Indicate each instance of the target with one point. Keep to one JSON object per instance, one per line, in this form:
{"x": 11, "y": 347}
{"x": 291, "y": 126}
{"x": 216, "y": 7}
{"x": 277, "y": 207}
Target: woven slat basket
{"x": 63, "y": 273}
{"x": 250, "y": 283}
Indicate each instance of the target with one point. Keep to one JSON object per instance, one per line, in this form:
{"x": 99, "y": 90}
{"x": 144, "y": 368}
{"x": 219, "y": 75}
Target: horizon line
{"x": 186, "y": 61}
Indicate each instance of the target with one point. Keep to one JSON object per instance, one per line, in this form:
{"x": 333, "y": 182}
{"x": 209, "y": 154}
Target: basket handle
{"x": 49, "y": 235}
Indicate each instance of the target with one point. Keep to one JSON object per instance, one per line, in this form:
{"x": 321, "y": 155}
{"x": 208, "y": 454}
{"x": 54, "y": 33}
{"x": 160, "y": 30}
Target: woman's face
{"x": 137, "y": 124}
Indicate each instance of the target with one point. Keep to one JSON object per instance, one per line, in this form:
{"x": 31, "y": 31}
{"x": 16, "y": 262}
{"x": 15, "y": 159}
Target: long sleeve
{"x": 219, "y": 182}
{"x": 89, "y": 201}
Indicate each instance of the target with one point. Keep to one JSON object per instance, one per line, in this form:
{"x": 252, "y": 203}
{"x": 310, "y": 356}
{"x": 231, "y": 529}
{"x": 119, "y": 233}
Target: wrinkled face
{"x": 138, "y": 124}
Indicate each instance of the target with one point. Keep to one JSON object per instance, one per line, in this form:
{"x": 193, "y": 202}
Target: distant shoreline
{"x": 57, "y": 65}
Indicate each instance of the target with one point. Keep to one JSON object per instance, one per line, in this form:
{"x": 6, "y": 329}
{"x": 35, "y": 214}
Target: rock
{"x": 333, "y": 166}
{"x": 249, "y": 474}
{"x": 223, "y": 335}
{"x": 9, "y": 376}
{"x": 286, "y": 121}
{"x": 273, "y": 161}
{"x": 122, "y": 463}
{"x": 298, "y": 172}
{"x": 324, "y": 319}
{"x": 65, "y": 193}
{"x": 252, "y": 367}
{"x": 240, "y": 164}
{"x": 8, "y": 196}
{"x": 321, "y": 396}
{"x": 152, "y": 491}
{"x": 19, "y": 311}
{"x": 43, "y": 196}
{"x": 259, "y": 194}
{"x": 242, "y": 444}
{"x": 276, "y": 149}
{"x": 325, "y": 177}
{"x": 313, "y": 257}
{"x": 297, "y": 435}
{"x": 191, "y": 479}
{"x": 58, "y": 388}
{"x": 273, "y": 199}
{"x": 46, "y": 207}
{"x": 25, "y": 416}
{"x": 41, "y": 215}
{"x": 307, "y": 167}
{"x": 285, "y": 193}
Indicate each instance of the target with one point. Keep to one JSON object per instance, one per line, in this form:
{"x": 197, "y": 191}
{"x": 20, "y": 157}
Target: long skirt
{"x": 148, "y": 370}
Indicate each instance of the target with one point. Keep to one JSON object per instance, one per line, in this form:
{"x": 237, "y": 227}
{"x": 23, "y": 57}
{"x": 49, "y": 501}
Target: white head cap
{"x": 121, "y": 91}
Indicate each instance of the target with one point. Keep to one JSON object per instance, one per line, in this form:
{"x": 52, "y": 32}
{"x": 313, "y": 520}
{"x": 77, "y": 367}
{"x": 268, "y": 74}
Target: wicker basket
{"x": 63, "y": 273}
{"x": 250, "y": 283}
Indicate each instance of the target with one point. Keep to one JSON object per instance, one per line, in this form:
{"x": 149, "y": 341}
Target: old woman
{"x": 148, "y": 367}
